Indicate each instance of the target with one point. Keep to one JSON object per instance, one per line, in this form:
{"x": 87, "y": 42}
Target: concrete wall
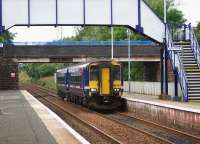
{"x": 172, "y": 117}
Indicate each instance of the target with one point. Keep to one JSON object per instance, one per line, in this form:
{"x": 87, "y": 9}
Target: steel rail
{"x": 163, "y": 127}
{"x": 100, "y": 132}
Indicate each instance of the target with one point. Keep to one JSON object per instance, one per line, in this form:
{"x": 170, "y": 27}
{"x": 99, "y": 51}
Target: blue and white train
{"x": 96, "y": 85}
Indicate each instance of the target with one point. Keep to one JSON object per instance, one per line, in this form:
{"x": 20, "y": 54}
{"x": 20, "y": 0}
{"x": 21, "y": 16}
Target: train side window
{"x": 116, "y": 73}
{"x": 60, "y": 80}
{"x": 93, "y": 73}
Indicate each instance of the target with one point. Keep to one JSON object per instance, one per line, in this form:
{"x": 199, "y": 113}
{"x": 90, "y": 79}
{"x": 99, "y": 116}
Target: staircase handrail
{"x": 195, "y": 45}
{"x": 177, "y": 63}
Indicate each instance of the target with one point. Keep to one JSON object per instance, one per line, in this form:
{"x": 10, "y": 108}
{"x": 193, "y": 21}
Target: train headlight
{"x": 93, "y": 90}
{"x": 116, "y": 89}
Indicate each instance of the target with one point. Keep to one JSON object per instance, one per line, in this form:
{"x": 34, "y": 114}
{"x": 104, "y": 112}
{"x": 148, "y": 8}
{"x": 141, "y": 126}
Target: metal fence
{"x": 149, "y": 88}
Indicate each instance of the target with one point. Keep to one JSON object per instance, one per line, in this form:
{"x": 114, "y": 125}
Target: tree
{"x": 36, "y": 71}
{"x": 174, "y": 16}
{"x": 197, "y": 31}
{"x": 6, "y": 36}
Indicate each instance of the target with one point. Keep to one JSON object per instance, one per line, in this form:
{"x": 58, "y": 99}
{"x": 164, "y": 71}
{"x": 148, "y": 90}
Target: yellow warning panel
{"x": 105, "y": 83}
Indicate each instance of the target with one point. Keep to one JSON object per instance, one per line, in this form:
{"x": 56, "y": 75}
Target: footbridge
{"x": 134, "y": 14}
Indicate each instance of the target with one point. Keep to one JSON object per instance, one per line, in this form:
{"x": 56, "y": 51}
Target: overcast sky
{"x": 190, "y": 9}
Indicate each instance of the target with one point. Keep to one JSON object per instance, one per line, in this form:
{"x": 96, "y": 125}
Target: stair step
{"x": 193, "y": 96}
{"x": 194, "y": 88}
{"x": 187, "y": 56}
{"x": 194, "y": 82}
{"x": 183, "y": 43}
{"x": 186, "y": 47}
{"x": 191, "y": 67}
{"x": 197, "y": 97}
{"x": 190, "y": 63}
{"x": 193, "y": 79}
{"x": 194, "y": 74}
{"x": 192, "y": 70}
{"x": 194, "y": 92}
{"x": 186, "y": 51}
{"x": 188, "y": 60}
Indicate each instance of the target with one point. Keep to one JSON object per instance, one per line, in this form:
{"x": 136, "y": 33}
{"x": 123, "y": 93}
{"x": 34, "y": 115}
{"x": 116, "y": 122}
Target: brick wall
{"x": 8, "y": 74}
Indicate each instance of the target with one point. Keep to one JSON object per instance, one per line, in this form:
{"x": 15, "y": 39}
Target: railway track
{"x": 41, "y": 94}
{"x": 165, "y": 128}
{"x": 157, "y": 132}
{"x": 163, "y": 133}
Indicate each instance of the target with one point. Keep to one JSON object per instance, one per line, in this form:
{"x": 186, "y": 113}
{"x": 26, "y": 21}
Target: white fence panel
{"x": 149, "y": 88}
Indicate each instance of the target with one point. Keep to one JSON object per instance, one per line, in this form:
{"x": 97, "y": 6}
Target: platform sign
{"x": 13, "y": 75}
{"x": 132, "y": 13}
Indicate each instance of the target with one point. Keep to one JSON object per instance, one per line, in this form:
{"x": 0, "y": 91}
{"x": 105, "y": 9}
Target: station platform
{"x": 24, "y": 120}
{"x": 185, "y": 115}
{"x": 154, "y": 100}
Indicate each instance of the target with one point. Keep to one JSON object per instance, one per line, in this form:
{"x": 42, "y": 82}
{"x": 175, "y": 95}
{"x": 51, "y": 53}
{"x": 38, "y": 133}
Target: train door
{"x": 105, "y": 81}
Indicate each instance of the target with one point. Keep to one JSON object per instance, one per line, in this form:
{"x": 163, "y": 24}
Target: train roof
{"x": 64, "y": 70}
{"x": 78, "y": 66}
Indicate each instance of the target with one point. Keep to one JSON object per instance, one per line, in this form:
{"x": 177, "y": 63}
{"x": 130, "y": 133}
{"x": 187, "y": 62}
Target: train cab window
{"x": 116, "y": 73}
{"x": 93, "y": 73}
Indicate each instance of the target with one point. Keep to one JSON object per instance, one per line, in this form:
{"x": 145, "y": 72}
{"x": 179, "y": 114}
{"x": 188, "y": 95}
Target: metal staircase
{"x": 184, "y": 53}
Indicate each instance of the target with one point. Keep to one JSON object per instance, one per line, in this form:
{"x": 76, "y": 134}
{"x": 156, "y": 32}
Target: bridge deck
{"x": 143, "y": 49}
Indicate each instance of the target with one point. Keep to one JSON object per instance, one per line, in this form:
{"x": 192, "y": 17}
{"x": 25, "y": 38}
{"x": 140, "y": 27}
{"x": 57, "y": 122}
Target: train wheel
{"x": 66, "y": 96}
{"x": 76, "y": 99}
{"x": 85, "y": 102}
{"x": 70, "y": 98}
{"x": 73, "y": 98}
{"x": 80, "y": 101}
{"x": 123, "y": 106}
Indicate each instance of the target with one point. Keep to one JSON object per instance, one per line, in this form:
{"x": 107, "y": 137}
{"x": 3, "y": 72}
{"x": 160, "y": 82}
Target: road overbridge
{"x": 81, "y": 51}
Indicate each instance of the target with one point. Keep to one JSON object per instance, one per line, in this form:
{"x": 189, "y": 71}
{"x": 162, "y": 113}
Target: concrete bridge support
{"x": 152, "y": 72}
{"x": 8, "y": 74}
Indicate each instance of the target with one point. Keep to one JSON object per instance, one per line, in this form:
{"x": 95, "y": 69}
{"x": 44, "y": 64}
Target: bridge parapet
{"x": 80, "y": 51}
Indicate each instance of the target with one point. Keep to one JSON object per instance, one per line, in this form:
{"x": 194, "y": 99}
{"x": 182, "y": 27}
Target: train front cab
{"x": 105, "y": 84}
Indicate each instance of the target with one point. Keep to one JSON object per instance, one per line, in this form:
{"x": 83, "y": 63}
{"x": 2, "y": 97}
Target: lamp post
{"x": 165, "y": 52}
{"x": 129, "y": 61}
{"x": 165, "y": 11}
{"x": 112, "y": 42}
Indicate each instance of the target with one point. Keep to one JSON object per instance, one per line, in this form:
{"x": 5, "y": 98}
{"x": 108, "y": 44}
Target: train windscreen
{"x": 93, "y": 73}
{"x": 116, "y": 73}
